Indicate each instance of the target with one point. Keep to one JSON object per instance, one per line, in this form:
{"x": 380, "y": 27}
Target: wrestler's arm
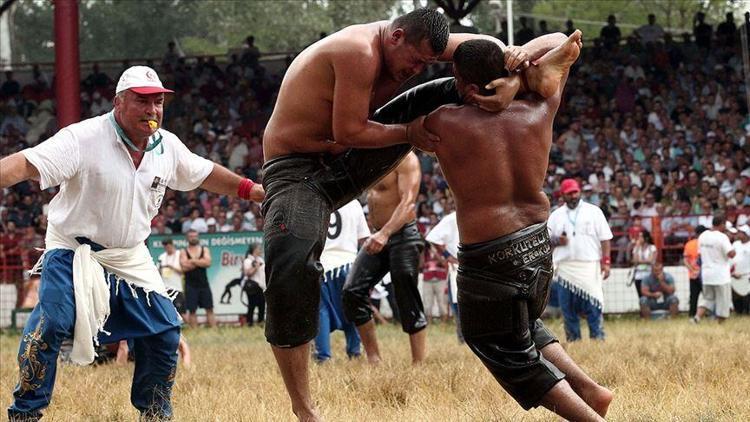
{"x": 355, "y": 72}
{"x": 225, "y": 182}
{"x": 14, "y": 169}
{"x": 409, "y": 174}
{"x": 204, "y": 262}
{"x": 185, "y": 261}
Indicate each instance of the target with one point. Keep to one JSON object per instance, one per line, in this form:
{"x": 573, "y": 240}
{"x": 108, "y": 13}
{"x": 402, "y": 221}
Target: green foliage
{"x": 677, "y": 14}
{"x": 115, "y": 29}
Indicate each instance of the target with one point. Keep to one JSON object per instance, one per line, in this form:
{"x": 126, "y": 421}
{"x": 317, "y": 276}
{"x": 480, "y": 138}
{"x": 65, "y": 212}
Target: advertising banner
{"x": 228, "y": 250}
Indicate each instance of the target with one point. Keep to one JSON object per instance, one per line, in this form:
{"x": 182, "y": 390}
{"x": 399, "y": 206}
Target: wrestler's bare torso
{"x": 384, "y": 197}
{"x": 302, "y": 120}
{"x": 495, "y": 164}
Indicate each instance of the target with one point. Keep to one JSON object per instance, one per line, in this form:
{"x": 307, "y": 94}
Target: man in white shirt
{"x": 741, "y": 273}
{"x": 650, "y": 33}
{"x": 171, "y": 273}
{"x": 347, "y": 230}
{"x": 446, "y": 239}
{"x": 716, "y": 265}
{"x": 581, "y": 237}
{"x": 113, "y": 171}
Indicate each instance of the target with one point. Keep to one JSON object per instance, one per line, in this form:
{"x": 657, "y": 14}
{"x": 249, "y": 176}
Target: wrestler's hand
{"x": 375, "y": 243}
{"x": 505, "y": 90}
{"x": 605, "y": 272}
{"x": 257, "y": 193}
{"x": 420, "y": 137}
{"x": 516, "y": 58}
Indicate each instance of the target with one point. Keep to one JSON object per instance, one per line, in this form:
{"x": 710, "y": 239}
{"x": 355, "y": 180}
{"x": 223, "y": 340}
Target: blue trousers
{"x": 332, "y": 316}
{"x": 154, "y": 329}
{"x": 573, "y": 305}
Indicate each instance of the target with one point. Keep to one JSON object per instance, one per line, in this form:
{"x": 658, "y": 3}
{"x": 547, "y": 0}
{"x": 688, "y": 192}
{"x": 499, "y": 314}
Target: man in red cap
{"x": 113, "y": 171}
{"x": 581, "y": 237}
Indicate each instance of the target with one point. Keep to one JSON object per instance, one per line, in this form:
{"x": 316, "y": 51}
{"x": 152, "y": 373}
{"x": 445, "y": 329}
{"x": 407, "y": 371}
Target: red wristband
{"x": 606, "y": 261}
{"x": 243, "y": 190}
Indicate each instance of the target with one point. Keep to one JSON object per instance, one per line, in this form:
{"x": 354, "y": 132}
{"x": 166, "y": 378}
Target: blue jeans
{"x": 573, "y": 305}
{"x": 332, "y": 316}
{"x": 154, "y": 329}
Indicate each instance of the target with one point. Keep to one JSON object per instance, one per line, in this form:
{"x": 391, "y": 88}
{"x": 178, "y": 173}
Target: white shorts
{"x": 718, "y": 299}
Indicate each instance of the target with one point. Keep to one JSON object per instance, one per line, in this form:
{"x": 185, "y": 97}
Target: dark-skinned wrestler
{"x": 495, "y": 165}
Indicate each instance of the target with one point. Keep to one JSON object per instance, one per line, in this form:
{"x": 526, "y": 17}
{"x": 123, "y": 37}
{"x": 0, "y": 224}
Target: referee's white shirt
{"x": 102, "y": 195}
{"x": 716, "y": 266}
{"x": 585, "y": 227}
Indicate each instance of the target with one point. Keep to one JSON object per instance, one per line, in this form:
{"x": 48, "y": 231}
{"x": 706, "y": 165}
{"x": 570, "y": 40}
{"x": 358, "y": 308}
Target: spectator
{"x": 650, "y": 33}
{"x": 251, "y": 53}
{"x": 691, "y": 260}
{"x": 254, "y": 283}
{"x": 726, "y": 32}
{"x": 702, "y": 31}
{"x": 347, "y": 232}
{"x": 569, "y": 27}
{"x": 525, "y": 33}
{"x": 444, "y": 238}
{"x": 716, "y": 253}
{"x": 10, "y": 87}
{"x": 195, "y": 260}
{"x": 610, "y": 34}
{"x": 581, "y": 237}
{"x": 741, "y": 272}
{"x": 657, "y": 293}
{"x": 435, "y": 284}
{"x": 171, "y": 56}
{"x": 644, "y": 257}
{"x": 543, "y": 30}
{"x": 171, "y": 273}
{"x": 99, "y": 104}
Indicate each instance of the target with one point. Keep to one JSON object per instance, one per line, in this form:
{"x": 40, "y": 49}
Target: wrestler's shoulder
{"x": 445, "y": 115}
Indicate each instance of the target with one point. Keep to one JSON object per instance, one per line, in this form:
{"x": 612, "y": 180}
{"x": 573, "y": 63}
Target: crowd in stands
{"x": 650, "y": 127}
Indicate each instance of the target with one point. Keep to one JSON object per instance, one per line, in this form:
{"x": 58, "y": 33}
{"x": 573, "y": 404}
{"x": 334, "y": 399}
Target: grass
{"x": 659, "y": 371}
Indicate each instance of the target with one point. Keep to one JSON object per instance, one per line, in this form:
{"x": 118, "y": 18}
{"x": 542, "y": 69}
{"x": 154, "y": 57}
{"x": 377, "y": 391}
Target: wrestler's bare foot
{"x": 598, "y": 399}
{"x": 307, "y": 415}
{"x": 545, "y": 77}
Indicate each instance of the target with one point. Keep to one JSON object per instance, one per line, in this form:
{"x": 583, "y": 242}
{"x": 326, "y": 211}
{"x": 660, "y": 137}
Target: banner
{"x": 228, "y": 251}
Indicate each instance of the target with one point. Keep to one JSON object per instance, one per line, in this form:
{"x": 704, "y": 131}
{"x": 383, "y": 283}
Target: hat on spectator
{"x": 569, "y": 186}
{"x": 730, "y": 227}
{"x": 141, "y": 80}
{"x": 587, "y": 187}
{"x": 745, "y": 229}
{"x": 711, "y": 134}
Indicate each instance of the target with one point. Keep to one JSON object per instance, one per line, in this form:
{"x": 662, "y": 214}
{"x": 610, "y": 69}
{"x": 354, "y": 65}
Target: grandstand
{"x": 656, "y": 133}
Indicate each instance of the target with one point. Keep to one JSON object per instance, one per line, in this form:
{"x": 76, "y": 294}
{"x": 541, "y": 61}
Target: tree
{"x": 118, "y": 29}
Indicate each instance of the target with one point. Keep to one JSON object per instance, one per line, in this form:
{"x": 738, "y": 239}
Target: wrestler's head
{"x": 139, "y": 101}
{"x": 413, "y": 41}
{"x": 475, "y": 64}
{"x": 571, "y": 192}
{"x": 192, "y": 238}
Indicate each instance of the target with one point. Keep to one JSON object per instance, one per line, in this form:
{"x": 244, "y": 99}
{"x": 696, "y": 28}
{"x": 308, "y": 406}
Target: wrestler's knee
{"x": 356, "y": 303}
{"x": 292, "y": 302}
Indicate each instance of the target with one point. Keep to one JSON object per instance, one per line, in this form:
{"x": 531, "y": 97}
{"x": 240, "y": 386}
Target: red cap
{"x": 148, "y": 90}
{"x": 569, "y": 186}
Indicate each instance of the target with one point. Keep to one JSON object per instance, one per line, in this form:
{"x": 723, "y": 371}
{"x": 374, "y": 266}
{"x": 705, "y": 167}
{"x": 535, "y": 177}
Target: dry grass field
{"x": 658, "y": 370}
